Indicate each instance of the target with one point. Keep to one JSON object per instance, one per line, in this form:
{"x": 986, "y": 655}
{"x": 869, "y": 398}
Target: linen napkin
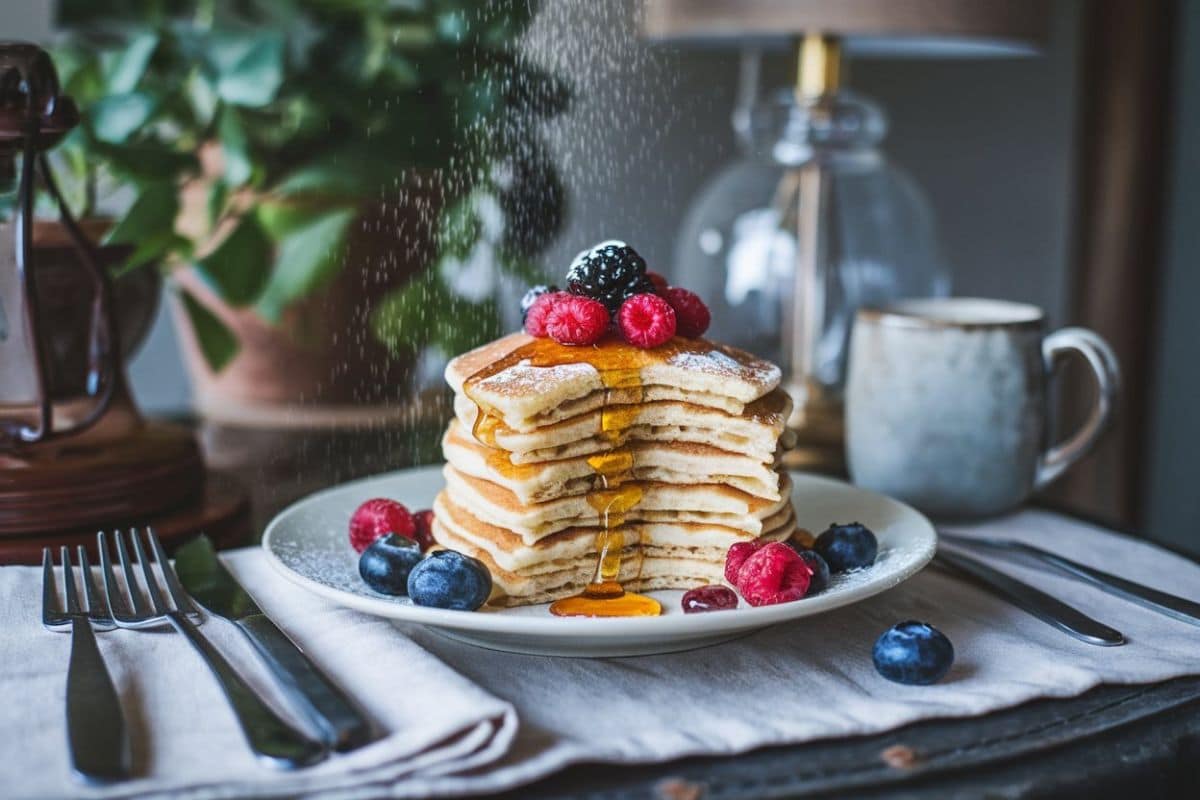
{"x": 814, "y": 678}
{"x": 453, "y": 709}
{"x": 186, "y": 741}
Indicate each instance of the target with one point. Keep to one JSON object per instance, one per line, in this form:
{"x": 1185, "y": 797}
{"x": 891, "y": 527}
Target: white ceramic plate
{"x": 308, "y": 543}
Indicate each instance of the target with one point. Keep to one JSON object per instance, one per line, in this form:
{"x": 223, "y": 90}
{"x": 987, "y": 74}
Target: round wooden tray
{"x": 221, "y": 511}
{"x": 146, "y": 471}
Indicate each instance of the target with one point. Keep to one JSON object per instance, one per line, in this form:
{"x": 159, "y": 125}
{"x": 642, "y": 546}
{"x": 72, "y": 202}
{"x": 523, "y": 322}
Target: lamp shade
{"x": 921, "y": 28}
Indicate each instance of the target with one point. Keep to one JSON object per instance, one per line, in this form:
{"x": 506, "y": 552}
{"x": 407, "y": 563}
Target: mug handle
{"x": 1100, "y": 357}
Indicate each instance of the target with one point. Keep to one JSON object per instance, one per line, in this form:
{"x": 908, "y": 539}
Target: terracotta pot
{"x": 322, "y": 354}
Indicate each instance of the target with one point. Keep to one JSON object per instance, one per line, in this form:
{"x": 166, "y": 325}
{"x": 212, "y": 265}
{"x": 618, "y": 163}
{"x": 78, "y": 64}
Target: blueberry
{"x": 447, "y": 579}
{"x": 819, "y": 581}
{"x": 385, "y": 565}
{"x": 847, "y": 546}
{"x": 914, "y": 653}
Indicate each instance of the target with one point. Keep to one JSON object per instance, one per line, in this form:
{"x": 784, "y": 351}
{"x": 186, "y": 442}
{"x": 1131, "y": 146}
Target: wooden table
{"x": 1139, "y": 742}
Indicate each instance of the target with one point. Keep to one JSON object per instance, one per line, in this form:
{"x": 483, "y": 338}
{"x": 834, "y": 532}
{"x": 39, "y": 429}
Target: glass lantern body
{"x": 741, "y": 238}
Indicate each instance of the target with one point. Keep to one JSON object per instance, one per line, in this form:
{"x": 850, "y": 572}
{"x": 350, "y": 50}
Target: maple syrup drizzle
{"x": 620, "y": 367}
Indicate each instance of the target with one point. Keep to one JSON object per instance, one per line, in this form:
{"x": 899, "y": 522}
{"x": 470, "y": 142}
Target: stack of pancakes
{"x": 699, "y": 430}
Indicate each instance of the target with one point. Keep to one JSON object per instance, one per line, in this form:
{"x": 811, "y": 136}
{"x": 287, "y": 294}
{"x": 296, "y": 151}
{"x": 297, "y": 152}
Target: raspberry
{"x": 575, "y": 320}
{"x": 660, "y": 283}
{"x": 736, "y": 556}
{"x": 535, "y": 317}
{"x": 646, "y": 321}
{"x": 533, "y": 294}
{"x": 774, "y": 574}
{"x": 691, "y": 315}
{"x": 423, "y": 522}
{"x": 377, "y": 517}
{"x": 709, "y": 598}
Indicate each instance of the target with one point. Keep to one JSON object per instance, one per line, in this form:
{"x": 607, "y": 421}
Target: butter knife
{"x": 342, "y": 726}
{"x": 1164, "y": 603}
{"x": 1041, "y": 605}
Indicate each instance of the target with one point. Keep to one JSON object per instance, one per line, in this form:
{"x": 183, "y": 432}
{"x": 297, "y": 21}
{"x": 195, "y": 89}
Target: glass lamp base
{"x": 816, "y": 432}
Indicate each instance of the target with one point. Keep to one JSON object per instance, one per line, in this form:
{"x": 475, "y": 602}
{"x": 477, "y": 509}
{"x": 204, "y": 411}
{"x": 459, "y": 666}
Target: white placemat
{"x": 465, "y": 720}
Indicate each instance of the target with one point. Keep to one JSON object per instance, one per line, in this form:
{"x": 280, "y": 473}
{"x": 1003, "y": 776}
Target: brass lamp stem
{"x": 818, "y": 65}
{"x": 816, "y": 417}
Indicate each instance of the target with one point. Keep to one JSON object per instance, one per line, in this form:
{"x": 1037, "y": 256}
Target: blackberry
{"x": 533, "y": 294}
{"x": 610, "y": 272}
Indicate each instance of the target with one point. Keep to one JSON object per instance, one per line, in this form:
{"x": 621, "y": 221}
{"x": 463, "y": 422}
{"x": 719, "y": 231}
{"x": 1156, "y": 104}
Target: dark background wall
{"x": 991, "y": 141}
{"x": 1173, "y": 474}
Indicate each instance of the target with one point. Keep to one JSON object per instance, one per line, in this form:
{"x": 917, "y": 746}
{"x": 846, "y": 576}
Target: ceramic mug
{"x": 946, "y": 403}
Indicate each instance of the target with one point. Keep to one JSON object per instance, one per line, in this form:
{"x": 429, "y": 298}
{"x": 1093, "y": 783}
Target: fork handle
{"x": 96, "y": 733}
{"x": 272, "y": 739}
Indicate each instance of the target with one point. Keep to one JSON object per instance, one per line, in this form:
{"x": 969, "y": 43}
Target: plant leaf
{"x": 154, "y": 248}
{"x": 239, "y": 267}
{"x": 214, "y": 201}
{"x": 352, "y": 172}
{"x": 249, "y": 67}
{"x": 234, "y": 147}
{"x": 466, "y": 325}
{"x": 116, "y": 117}
{"x": 404, "y": 318}
{"x": 202, "y": 97}
{"x": 281, "y": 218}
{"x": 130, "y": 65}
{"x": 151, "y": 215}
{"x": 217, "y": 342}
{"x": 150, "y": 227}
{"x": 145, "y": 162}
{"x": 424, "y": 311}
{"x": 306, "y": 259}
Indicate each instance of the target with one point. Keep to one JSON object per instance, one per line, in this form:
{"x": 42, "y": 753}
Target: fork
{"x": 274, "y": 741}
{"x": 97, "y": 738}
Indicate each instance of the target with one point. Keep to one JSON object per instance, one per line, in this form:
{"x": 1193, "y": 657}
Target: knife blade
{"x": 1170, "y": 605}
{"x": 211, "y": 585}
{"x": 1041, "y": 605}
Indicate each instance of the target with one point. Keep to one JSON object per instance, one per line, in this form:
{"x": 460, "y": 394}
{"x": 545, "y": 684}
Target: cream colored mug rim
{"x": 955, "y": 312}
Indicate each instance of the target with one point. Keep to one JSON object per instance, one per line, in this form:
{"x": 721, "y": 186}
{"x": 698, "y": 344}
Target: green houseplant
{"x": 287, "y": 157}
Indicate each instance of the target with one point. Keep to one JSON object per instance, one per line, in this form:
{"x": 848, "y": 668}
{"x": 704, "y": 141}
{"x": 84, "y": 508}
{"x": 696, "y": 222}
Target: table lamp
{"x": 813, "y": 222}
{"x": 75, "y": 454}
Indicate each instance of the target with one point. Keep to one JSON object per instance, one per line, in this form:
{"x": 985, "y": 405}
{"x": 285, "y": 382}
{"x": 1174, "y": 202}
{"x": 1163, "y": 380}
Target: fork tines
{"x": 55, "y": 614}
{"x": 133, "y": 607}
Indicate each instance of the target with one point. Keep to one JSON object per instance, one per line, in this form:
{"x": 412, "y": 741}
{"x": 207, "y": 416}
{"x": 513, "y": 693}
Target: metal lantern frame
{"x": 35, "y": 116}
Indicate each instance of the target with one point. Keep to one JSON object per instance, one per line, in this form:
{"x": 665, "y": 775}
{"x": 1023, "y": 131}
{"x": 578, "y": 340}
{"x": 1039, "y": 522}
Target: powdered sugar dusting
{"x": 720, "y": 364}
{"x": 523, "y": 378}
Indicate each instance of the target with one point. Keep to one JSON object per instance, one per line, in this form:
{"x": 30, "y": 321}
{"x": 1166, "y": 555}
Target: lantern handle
{"x": 103, "y": 375}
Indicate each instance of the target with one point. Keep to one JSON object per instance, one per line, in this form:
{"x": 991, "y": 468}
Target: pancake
{"x": 753, "y": 432}
{"x": 642, "y": 569}
{"x": 695, "y": 427}
{"x": 666, "y": 462}
{"x": 708, "y": 503}
{"x": 510, "y": 551}
{"x": 697, "y": 371}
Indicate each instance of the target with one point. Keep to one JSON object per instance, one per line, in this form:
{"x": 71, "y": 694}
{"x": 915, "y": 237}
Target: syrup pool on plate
{"x": 615, "y": 493}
